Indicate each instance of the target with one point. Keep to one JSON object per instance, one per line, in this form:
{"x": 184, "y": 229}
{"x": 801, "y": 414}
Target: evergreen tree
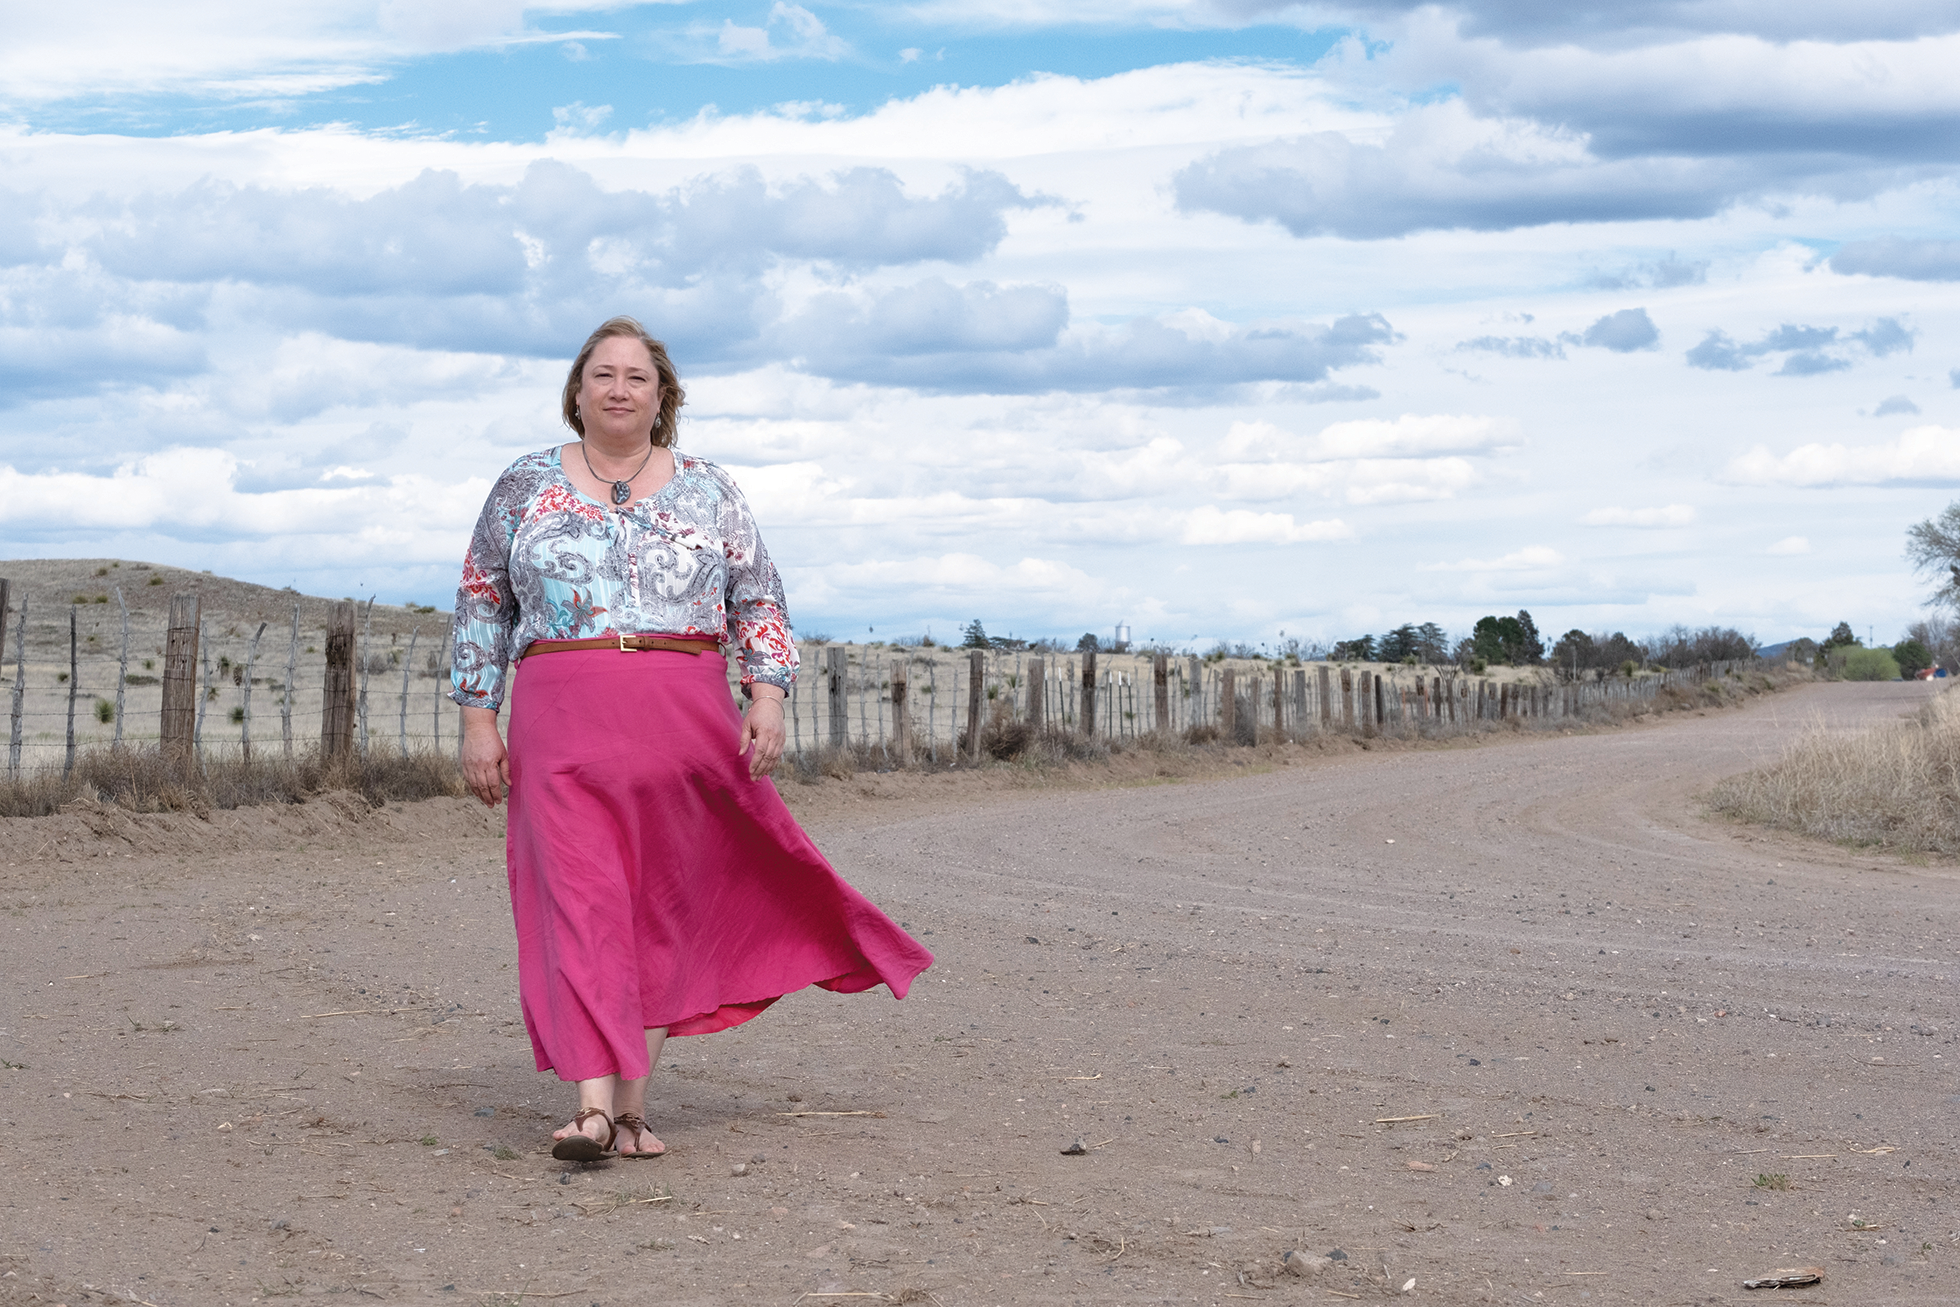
{"x": 976, "y": 636}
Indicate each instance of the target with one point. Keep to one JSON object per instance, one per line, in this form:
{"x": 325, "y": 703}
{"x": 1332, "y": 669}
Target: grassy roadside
{"x": 1895, "y": 786}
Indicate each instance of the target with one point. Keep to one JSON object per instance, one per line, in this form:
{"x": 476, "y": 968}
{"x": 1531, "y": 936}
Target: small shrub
{"x": 105, "y": 712}
{"x": 1870, "y": 665}
{"x": 155, "y": 580}
{"x": 1779, "y": 1181}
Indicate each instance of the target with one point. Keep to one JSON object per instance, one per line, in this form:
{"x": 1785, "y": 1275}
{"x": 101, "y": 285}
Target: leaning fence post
{"x": 206, "y": 695}
{"x": 286, "y": 699}
{"x": 1086, "y": 717}
{"x": 245, "y": 721}
{"x": 74, "y": 679}
{"x": 1228, "y": 703}
{"x": 1037, "y": 714}
{"x": 901, "y": 715}
{"x": 122, "y": 667}
{"x": 20, "y": 687}
{"x": 976, "y": 701}
{"x": 408, "y": 669}
{"x": 840, "y": 722}
{"x": 435, "y": 712}
{"x": 178, "y": 725}
{"x": 337, "y": 695}
{"x": 361, "y": 655}
{"x": 1160, "y": 692}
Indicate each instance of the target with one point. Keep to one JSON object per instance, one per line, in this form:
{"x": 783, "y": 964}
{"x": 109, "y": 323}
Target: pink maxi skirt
{"x": 653, "y": 883}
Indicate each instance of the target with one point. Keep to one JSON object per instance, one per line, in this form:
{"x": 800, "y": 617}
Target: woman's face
{"x": 619, "y": 392}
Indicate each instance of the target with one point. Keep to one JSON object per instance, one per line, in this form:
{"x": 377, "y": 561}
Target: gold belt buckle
{"x": 622, "y": 644}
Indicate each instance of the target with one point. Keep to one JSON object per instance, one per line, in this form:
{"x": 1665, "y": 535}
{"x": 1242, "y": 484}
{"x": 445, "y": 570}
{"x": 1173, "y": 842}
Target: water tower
{"x": 1122, "y": 635}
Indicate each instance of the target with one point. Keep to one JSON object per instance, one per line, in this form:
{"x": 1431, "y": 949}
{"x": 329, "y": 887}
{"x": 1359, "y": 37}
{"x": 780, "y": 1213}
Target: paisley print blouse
{"x": 548, "y": 563}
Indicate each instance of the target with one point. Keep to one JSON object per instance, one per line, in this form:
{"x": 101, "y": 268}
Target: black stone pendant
{"x": 622, "y": 491}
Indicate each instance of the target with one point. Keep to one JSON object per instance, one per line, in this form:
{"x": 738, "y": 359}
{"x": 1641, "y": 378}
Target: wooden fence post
{"x": 20, "y": 688}
{"x": 408, "y": 669}
{"x": 179, "y": 720}
{"x": 337, "y": 701}
{"x": 901, "y": 716}
{"x": 1228, "y": 703}
{"x": 1347, "y": 699}
{"x": 1324, "y": 683}
{"x": 1300, "y": 718}
{"x": 976, "y": 701}
{"x": 122, "y": 667}
{"x": 1279, "y": 701}
{"x": 245, "y": 721}
{"x": 1160, "y": 691}
{"x": 74, "y": 683}
{"x": 361, "y": 655}
{"x": 836, "y": 672}
{"x": 286, "y": 699}
{"x": 1086, "y": 721}
{"x": 1037, "y": 714}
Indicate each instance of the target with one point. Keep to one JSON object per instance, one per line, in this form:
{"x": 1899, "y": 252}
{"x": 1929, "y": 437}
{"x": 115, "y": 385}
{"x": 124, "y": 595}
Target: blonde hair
{"x": 671, "y": 394}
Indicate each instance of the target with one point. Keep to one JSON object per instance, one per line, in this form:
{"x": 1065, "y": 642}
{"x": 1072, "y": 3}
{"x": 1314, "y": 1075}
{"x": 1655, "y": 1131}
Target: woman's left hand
{"x": 762, "y": 730}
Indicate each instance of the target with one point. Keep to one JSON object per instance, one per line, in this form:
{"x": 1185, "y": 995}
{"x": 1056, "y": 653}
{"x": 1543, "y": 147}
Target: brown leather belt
{"x": 687, "y": 644}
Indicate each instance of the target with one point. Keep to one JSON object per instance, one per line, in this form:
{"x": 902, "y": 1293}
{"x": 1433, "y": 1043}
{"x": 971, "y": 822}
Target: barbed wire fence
{"x": 104, "y": 685}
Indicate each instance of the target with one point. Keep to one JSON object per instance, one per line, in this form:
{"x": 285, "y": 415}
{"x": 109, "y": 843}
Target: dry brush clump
{"x": 145, "y": 779}
{"x": 1894, "y": 786}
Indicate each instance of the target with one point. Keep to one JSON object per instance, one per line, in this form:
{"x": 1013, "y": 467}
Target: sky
{"x": 1221, "y": 319}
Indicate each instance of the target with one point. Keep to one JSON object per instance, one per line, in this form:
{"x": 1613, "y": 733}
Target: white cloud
{"x": 237, "y": 48}
{"x": 1670, "y": 516}
{"x": 1210, "y": 525}
{"x": 1532, "y": 558}
{"x": 791, "y": 32}
{"x": 1790, "y": 545}
{"x": 1926, "y": 455}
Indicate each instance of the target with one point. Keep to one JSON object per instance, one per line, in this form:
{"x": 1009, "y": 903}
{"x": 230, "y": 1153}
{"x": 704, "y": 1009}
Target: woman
{"x": 659, "y": 885}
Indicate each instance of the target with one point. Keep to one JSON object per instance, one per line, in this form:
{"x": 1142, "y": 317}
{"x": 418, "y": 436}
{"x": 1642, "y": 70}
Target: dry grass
{"x": 143, "y": 780}
{"x": 1894, "y": 786}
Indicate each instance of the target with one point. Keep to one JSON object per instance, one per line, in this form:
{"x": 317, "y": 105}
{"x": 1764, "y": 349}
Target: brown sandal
{"x": 635, "y": 1123}
{"x": 582, "y": 1147}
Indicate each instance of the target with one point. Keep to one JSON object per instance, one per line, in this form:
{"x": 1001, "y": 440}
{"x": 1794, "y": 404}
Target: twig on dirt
{"x": 883, "y": 1297}
{"x": 1806, "y": 1157}
{"x": 1097, "y": 1076}
{"x": 1338, "y": 1294}
{"x": 1882, "y": 1065}
{"x": 528, "y": 1293}
{"x": 1874, "y": 1152}
{"x": 1426, "y": 1116}
{"x": 1106, "y": 1141}
{"x": 1745, "y": 1152}
{"x": 350, "y": 1012}
{"x": 1516, "y": 1134}
{"x": 880, "y": 1115}
{"x": 1122, "y": 1246}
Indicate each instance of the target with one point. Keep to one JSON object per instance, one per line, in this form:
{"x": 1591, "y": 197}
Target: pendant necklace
{"x": 621, "y": 490}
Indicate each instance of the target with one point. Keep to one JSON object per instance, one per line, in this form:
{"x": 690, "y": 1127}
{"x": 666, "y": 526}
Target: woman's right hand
{"x": 486, "y": 765}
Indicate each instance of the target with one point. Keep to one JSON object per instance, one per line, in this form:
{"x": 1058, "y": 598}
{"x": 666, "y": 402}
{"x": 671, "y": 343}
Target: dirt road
{"x": 1513, "y": 1023}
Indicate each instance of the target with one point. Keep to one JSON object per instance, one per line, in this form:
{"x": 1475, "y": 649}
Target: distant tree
{"x": 1359, "y": 650}
{"x": 1934, "y": 546}
{"x": 1870, "y": 665}
{"x": 1088, "y": 643}
{"x": 1802, "y": 651}
{"x": 1531, "y": 649}
{"x": 1912, "y": 656}
{"x": 1680, "y": 647}
{"x": 1432, "y": 643}
{"x": 1497, "y": 639}
{"x": 976, "y": 636}
{"x": 1398, "y": 644}
{"x": 1840, "y": 636}
{"x": 1575, "y": 653}
{"x": 1942, "y": 639}
{"x": 1616, "y": 651}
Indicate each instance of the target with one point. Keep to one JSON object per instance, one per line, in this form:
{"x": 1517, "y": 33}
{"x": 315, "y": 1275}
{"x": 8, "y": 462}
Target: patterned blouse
{"x": 547, "y": 563}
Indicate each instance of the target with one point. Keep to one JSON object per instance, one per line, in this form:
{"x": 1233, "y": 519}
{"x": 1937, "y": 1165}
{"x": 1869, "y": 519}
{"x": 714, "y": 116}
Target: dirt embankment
{"x": 1515, "y": 1023}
